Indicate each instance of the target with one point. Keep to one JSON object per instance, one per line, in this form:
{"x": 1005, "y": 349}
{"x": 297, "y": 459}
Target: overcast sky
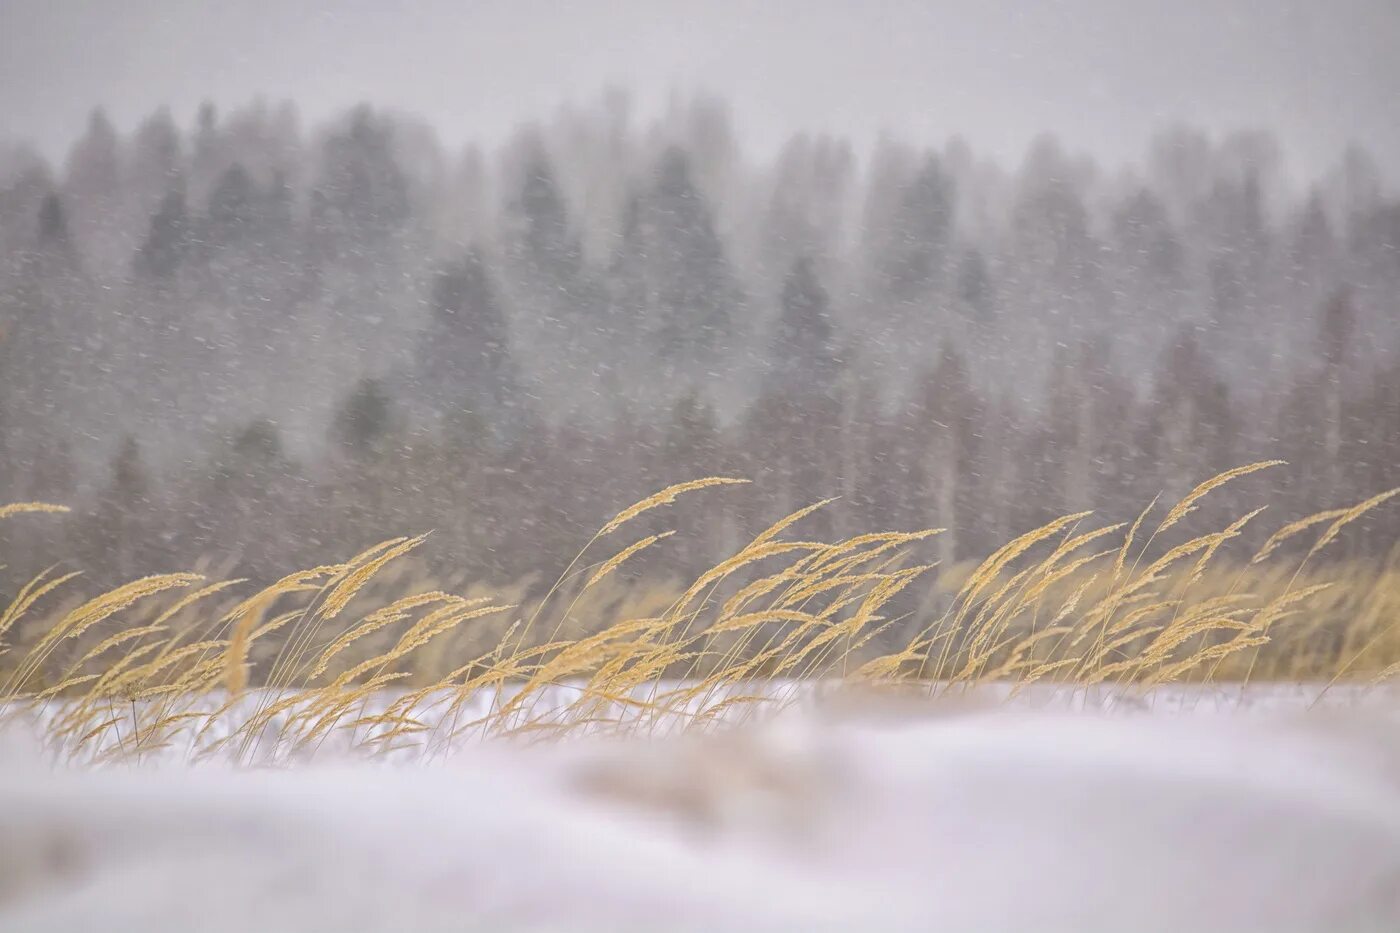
{"x": 1103, "y": 74}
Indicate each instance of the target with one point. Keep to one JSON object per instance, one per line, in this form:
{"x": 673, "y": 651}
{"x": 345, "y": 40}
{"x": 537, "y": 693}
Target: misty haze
{"x": 763, "y": 387}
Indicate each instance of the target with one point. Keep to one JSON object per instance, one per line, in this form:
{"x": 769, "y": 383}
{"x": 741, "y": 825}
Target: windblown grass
{"x": 176, "y": 663}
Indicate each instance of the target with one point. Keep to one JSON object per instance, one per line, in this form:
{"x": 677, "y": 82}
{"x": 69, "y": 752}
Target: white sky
{"x": 1102, "y": 74}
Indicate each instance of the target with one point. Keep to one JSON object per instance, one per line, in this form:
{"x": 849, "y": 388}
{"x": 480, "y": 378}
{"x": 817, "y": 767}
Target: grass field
{"x": 359, "y": 650}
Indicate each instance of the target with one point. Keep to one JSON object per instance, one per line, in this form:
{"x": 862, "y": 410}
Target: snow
{"x": 841, "y": 815}
{"x": 455, "y": 720}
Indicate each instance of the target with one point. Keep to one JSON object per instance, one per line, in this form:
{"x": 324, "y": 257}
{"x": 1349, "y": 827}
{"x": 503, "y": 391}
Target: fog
{"x": 279, "y": 279}
{"x": 1102, "y": 74}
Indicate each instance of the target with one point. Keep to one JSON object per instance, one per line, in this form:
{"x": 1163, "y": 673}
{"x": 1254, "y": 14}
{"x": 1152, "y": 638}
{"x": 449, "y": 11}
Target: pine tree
{"x": 53, "y": 226}
{"x": 464, "y": 361}
{"x": 915, "y": 264}
{"x": 233, "y": 209}
{"x": 1148, "y": 249}
{"x": 114, "y": 543}
{"x": 560, "y": 310}
{"x": 693, "y": 447}
{"x": 156, "y": 165}
{"x": 362, "y": 426}
{"x": 1312, "y": 266}
{"x": 92, "y": 190}
{"x": 363, "y": 193}
{"x": 689, "y": 278}
{"x": 1335, "y": 339}
{"x": 1056, "y": 253}
{"x": 801, "y": 359}
{"x": 975, "y": 288}
{"x": 545, "y": 241}
{"x": 208, "y": 149}
{"x": 947, "y": 418}
{"x": 1189, "y": 428}
{"x": 168, "y": 241}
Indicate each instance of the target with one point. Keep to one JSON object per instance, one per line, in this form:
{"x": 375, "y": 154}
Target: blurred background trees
{"x": 241, "y": 340}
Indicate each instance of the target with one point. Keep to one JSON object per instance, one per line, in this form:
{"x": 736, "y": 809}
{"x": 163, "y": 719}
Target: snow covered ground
{"x": 453, "y": 721}
{"x": 850, "y": 814}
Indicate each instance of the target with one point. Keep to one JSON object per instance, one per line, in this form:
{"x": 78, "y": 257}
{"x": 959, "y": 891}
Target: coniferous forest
{"x": 247, "y": 342}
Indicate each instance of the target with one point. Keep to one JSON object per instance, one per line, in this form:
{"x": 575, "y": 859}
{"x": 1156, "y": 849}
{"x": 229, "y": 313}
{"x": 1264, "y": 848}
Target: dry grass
{"x": 325, "y": 654}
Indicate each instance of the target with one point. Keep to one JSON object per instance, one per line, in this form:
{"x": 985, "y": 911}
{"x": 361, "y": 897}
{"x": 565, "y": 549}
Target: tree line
{"x": 252, "y": 343}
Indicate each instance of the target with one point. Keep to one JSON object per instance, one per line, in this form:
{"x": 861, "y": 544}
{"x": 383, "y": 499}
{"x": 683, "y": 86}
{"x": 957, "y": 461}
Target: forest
{"x": 248, "y": 343}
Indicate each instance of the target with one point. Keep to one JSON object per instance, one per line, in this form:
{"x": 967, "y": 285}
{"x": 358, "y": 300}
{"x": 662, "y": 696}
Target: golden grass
{"x": 332, "y": 653}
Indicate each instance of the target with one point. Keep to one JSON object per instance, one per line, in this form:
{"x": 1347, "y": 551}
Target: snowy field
{"x": 453, "y": 722}
{"x": 1184, "y": 810}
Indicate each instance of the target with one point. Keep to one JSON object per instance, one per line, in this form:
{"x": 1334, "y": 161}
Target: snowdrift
{"x": 853, "y": 816}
